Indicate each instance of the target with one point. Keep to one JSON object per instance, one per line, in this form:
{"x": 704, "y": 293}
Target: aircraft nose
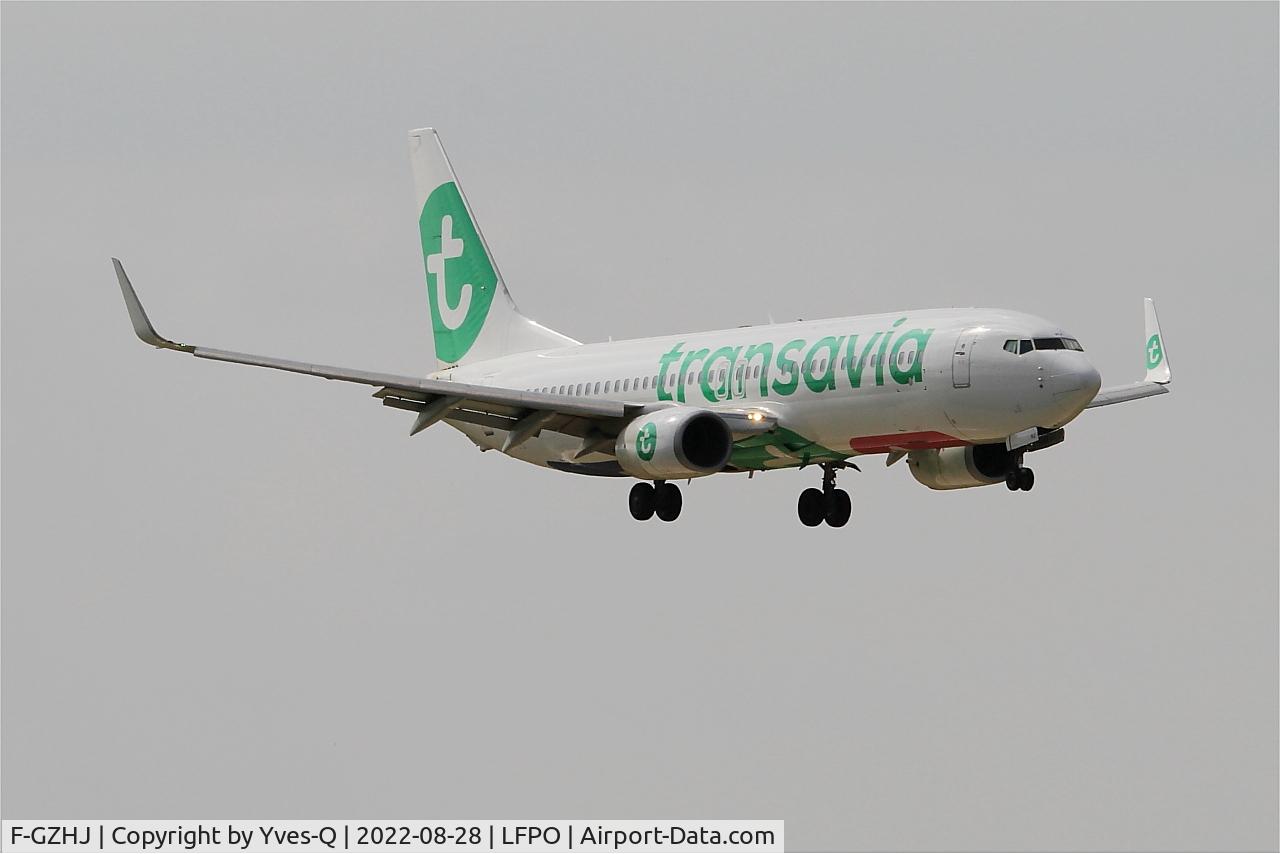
{"x": 1091, "y": 379}
{"x": 1074, "y": 384}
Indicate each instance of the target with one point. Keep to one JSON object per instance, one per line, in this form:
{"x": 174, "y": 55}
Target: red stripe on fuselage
{"x": 905, "y": 441}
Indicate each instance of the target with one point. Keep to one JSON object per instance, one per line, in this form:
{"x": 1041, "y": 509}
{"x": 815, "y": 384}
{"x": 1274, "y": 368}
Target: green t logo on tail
{"x": 1155, "y": 353}
{"x": 460, "y": 279}
{"x": 647, "y": 441}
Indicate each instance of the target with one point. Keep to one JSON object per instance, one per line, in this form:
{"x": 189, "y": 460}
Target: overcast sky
{"x": 236, "y": 593}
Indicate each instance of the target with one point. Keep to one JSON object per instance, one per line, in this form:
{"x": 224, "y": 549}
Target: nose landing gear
{"x": 660, "y": 497}
{"x": 830, "y": 505}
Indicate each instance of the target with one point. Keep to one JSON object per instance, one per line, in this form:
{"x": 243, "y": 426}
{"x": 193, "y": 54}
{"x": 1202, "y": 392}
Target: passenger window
{"x": 606, "y": 387}
{"x": 579, "y": 389}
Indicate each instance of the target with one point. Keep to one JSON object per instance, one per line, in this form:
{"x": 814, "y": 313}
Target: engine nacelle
{"x": 672, "y": 443}
{"x": 959, "y": 468}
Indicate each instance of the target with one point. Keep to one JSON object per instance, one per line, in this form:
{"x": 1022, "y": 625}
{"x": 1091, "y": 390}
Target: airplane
{"x": 963, "y": 394}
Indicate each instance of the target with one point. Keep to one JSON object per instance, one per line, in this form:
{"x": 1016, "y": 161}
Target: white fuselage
{"x": 854, "y": 385}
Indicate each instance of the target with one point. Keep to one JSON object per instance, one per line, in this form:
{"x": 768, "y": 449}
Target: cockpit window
{"x": 1058, "y": 344}
{"x": 1018, "y": 347}
{"x": 1026, "y": 345}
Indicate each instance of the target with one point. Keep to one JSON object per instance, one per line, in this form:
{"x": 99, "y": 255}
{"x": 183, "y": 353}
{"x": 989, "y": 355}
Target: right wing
{"x": 1158, "y": 374}
{"x": 522, "y": 413}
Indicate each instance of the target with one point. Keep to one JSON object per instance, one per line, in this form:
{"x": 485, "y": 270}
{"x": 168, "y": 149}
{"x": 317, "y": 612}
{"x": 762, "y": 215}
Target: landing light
{"x": 755, "y": 416}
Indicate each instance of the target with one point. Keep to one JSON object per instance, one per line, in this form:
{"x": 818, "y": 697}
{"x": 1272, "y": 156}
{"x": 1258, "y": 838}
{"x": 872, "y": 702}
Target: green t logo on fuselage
{"x": 647, "y": 441}
{"x": 460, "y": 278}
{"x": 1155, "y": 353}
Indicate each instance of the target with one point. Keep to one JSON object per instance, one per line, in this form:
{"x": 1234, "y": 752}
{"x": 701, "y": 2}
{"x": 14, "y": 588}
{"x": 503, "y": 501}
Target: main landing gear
{"x": 827, "y": 504}
{"x": 1020, "y": 478}
{"x": 660, "y": 497}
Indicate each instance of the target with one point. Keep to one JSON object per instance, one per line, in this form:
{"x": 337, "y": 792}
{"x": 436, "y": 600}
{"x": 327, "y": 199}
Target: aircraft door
{"x": 960, "y": 358}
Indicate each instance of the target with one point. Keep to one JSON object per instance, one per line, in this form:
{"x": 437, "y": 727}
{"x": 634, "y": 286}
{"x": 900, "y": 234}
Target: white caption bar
{"x": 320, "y": 836}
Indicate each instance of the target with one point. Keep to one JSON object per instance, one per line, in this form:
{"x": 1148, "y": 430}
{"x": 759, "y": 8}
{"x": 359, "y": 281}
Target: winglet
{"x": 1157, "y": 359}
{"x": 141, "y": 323}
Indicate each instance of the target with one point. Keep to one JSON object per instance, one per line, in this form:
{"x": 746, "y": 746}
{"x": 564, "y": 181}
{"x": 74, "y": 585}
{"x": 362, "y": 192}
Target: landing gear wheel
{"x": 1011, "y": 480}
{"x": 838, "y": 507}
{"x": 641, "y": 501}
{"x": 667, "y": 501}
{"x": 1026, "y": 479}
{"x": 811, "y": 508}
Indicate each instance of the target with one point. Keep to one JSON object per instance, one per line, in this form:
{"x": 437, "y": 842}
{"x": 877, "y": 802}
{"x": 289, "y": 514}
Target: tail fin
{"x": 472, "y": 315}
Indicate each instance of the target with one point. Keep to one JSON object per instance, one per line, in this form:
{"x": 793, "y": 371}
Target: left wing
{"x": 1158, "y": 374}
{"x": 522, "y": 414}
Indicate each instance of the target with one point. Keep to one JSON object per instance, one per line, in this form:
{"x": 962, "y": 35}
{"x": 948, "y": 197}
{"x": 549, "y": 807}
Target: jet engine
{"x": 676, "y": 442}
{"x": 958, "y": 468}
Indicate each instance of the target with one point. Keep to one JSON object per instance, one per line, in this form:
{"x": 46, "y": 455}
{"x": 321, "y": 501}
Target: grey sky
{"x": 234, "y": 593}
